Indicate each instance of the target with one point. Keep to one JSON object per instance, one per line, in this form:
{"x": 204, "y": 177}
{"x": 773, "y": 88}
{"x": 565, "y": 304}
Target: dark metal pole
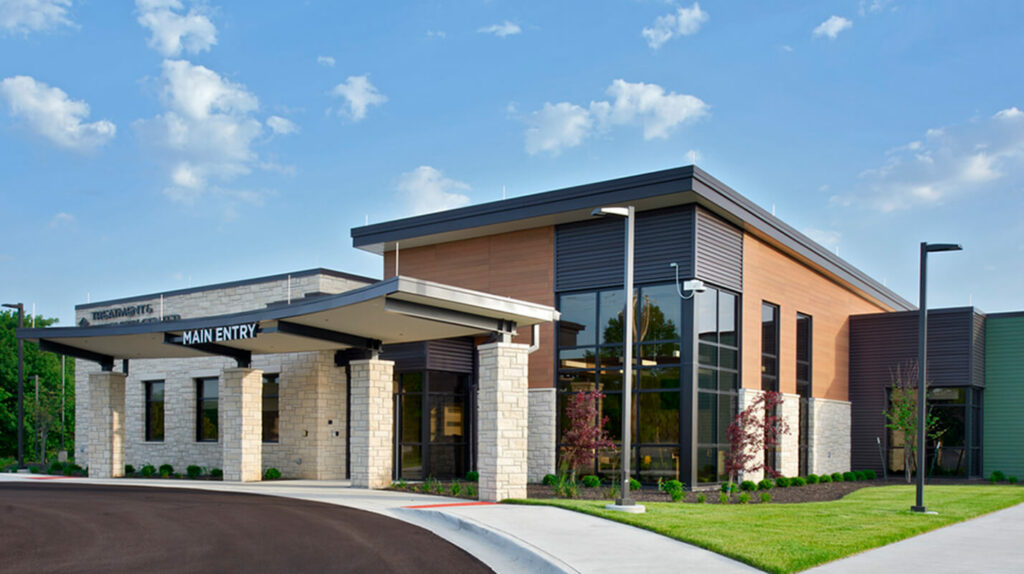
{"x": 625, "y": 495}
{"x": 922, "y": 370}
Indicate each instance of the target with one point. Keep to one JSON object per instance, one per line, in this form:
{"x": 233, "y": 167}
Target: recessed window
{"x": 271, "y": 410}
{"x": 207, "y": 399}
{"x": 769, "y": 347}
{"x": 154, "y": 410}
{"x": 804, "y": 352}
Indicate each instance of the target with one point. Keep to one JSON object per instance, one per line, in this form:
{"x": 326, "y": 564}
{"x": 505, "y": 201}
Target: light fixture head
{"x": 694, "y": 285}
{"x": 604, "y": 211}
{"x": 933, "y": 247}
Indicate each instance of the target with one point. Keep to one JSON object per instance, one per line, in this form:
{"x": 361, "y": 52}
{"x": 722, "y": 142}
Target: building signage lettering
{"x": 219, "y": 334}
{"x": 118, "y": 312}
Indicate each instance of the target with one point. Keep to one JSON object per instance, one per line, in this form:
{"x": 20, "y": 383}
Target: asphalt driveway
{"x": 56, "y": 526}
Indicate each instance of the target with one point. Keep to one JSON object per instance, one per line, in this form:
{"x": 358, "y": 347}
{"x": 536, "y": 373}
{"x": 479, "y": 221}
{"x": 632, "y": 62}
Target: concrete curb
{"x": 515, "y": 549}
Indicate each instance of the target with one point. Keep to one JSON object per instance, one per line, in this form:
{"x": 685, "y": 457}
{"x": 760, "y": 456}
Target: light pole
{"x": 625, "y": 501}
{"x": 21, "y": 384}
{"x": 922, "y": 364}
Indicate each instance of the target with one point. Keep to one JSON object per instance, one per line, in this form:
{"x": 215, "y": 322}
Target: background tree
{"x": 902, "y": 413}
{"x": 47, "y": 366}
{"x": 753, "y": 431}
{"x": 586, "y": 433}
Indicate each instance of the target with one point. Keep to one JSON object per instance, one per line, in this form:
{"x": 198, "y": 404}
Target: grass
{"x": 793, "y": 537}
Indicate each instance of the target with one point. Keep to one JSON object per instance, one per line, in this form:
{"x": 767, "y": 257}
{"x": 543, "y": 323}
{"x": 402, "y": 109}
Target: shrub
{"x": 837, "y": 477}
{"x": 797, "y": 481}
{"x": 812, "y": 479}
{"x": 766, "y": 497}
{"x": 824, "y": 479}
{"x": 455, "y": 488}
{"x": 674, "y": 488}
{"x": 33, "y": 469}
{"x": 765, "y": 484}
{"x": 748, "y": 485}
{"x": 702, "y": 498}
{"x": 549, "y": 479}
{"x": 194, "y": 471}
{"x": 997, "y": 476}
{"x": 55, "y": 468}
{"x": 272, "y": 474}
{"x": 216, "y": 473}
{"x": 70, "y": 469}
{"x": 566, "y": 486}
{"x": 148, "y": 470}
{"x": 782, "y": 482}
{"x": 166, "y": 470}
{"x": 744, "y": 498}
{"x": 730, "y": 487}
{"x": 859, "y": 475}
{"x": 1012, "y": 479}
{"x": 634, "y": 484}
{"x": 870, "y": 474}
{"x": 848, "y": 477}
{"x": 591, "y": 481}
{"x": 471, "y": 491}
{"x": 129, "y": 469}
{"x": 474, "y": 476}
{"x": 723, "y": 498}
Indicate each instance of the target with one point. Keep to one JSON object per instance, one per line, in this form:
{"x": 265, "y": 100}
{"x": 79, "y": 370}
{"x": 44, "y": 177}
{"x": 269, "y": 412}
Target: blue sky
{"x": 154, "y": 145}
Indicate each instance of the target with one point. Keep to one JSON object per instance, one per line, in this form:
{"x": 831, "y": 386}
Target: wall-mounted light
{"x": 690, "y": 286}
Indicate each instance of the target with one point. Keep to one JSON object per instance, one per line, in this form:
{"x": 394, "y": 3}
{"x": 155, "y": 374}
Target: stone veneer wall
{"x": 502, "y": 420}
{"x": 372, "y": 422}
{"x": 789, "y": 449}
{"x": 240, "y": 426}
{"x": 828, "y": 433}
{"x": 543, "y": 424}
{"x": 106, "y": 425}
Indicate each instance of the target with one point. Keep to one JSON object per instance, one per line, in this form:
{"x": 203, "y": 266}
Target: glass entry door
{"x": 432, "y": 420}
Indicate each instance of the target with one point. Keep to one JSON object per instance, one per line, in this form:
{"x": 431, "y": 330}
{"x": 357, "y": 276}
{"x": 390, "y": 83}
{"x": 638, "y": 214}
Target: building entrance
{"x": 432, "y": 415}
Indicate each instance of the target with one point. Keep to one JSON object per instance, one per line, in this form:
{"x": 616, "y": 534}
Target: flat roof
{"x": 676, "y": 186}
{"x": 398, "y": 310}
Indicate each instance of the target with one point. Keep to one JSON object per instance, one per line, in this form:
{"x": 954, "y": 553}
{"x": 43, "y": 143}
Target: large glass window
{"x": 769, "y": 347}
{"x": 717, "y": 380}
{"x": 271, "y": 407}
{"x": 206, "y": 409}
{"x": 947, "y": 454}
{"x": 804, "y": 350}
{"x": 154, "y": 410}
{"x": 433, "y": 424}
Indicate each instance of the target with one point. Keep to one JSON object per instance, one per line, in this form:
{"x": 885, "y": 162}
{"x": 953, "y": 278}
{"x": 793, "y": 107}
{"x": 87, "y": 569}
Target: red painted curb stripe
{"x": 451, "y": 504}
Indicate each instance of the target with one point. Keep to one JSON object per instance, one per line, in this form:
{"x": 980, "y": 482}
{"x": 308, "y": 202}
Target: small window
{"x": 769, "y": 347}
{"x": 154, "y": 410}
{"x": 206, "y": 409}
{"x": 271, "y": 410}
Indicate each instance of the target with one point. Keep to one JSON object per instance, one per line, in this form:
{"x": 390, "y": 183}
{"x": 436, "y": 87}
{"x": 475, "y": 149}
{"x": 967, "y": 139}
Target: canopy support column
{"x": 503, "y": 420}
{"x": 106, "y": 424}
{"x": 372, "y": 414}
{"x": 241, "y": 424}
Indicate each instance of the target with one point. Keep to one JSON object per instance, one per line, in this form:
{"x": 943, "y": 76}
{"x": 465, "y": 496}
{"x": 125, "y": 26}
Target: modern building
{"x": 489, "y": 317}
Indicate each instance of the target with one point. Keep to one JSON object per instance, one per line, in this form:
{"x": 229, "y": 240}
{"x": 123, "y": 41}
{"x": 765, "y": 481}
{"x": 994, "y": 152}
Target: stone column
{"x": 502, "y": 420}
{"x": 746, "y": 397}
{"x": 789, "y": 444}
{"x": 241, "y": 424}
{"x": 543, "y": 426}
{"x": 372, "y": 440}
{"x": 106, "y": 424}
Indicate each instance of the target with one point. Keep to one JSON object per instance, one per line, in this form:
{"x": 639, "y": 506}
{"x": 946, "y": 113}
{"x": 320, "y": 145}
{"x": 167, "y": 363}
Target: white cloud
{"x": 502, "y": 30}
{"x": 325, "y": 61}
{"x": 425, "y": 189}
{"x": 875, "y": 6}
{"x": 52, "y": 114}
{"x": 826, "y": 237}
{"x": 282, "y": 126}
{"x": 24, "y": 16}
{"x": 1009, "y": 114}
{"x": 684, "y": 22}
{"x": 360, "y": 94}
{"x": 557, "y": 126}
{"x": 970, "y": 158}
{"x": 208, "y": 131}
{"x": 832, "y": 27}
{"x": 563, "y": 125}
{"x": 62, "y": 218}
{"x": 439, "y": 34}
{"x": 173, "y": 32}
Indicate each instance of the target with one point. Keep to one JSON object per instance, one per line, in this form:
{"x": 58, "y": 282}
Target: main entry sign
{"x": 220, "y": 334}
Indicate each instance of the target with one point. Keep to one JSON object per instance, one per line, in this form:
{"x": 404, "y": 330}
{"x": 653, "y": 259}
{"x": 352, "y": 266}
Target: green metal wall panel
{"x": 1004, "y": 395}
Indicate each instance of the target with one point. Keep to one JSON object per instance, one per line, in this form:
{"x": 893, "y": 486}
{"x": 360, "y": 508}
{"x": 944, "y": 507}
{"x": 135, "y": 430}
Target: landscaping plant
{"x": 837, "y": 477}
{"x": 455, "y": 488}
{"x": 474, "y": 476}
{"x": 129, "y": 469}
{"x": 591, "y": 481}
{"x": 548, "y": 480}
{"x": 193, "y": 471}
{"x": 674, "y": 489}
{"x": 812, "y": 479}
{"x": 216, "y": 473}
{"x": 797, "y": 481}
{"x": 754, "y": 431}
{"x": 870, "y": 474}
{"x": 849, "y": 477}
{"x": 702, "y": 498}
{"x": 148, "y": 470}
{"x": 766, "y": 497}
{"x": 723, "y": 498}
{"x": 765, "y": 484}
{"x": 748, "y": 485}
{"x": 744, "y": 498}
{"x": 782, "y": 482}
{"x": 997, "y": 476}
{"x": 902, "y": 413}
{"x": 166, "y": 470}
{"x": 272, "y": 474}
{"x": 824, "y": 479}
{"x": 585, "y": 434}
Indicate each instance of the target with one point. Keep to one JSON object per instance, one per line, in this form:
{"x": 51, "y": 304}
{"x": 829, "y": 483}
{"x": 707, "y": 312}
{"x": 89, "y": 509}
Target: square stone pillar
{"x": 372, "y": 414}
{"x": 241, "y": 424}
{"x": 502, "y": 420}
{"x": 789, "y": 444}
{"x": 106, "y": 424}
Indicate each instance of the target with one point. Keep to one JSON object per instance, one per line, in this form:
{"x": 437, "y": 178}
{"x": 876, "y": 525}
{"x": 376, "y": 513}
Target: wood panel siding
{"x": 776, "y": 277}
{"x": 719, "y": 252}
{"x": 519, "y": 264}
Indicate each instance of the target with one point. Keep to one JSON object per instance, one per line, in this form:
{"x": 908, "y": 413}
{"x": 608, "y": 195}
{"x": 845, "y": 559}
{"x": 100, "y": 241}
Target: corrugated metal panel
{"x": 978, "y": 367}
{"x": 719, "y": 252}
{"x": 881, "y": 342}
{"x": 590, "y": 254}
{"x": 1004, "y": 396}
{"x": 407, "y": 356}
{"x": 453, "y": 355}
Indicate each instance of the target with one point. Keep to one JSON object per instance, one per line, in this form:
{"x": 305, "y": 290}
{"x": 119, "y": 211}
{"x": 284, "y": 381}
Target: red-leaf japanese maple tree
{"x": 754, "y": 430}
{"x": 585, "y": 433}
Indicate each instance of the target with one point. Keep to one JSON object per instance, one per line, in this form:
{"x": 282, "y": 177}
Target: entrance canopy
{"x": 398, "y": 310}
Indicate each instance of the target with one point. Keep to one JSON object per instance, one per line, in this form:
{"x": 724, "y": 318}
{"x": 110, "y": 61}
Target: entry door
{"x": 432, "y": 425}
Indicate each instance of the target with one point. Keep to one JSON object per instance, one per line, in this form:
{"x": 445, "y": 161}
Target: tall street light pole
{"x": 625, "y": 501}
{"x": 21, "y": 383}
{"x": 922, "y": 365}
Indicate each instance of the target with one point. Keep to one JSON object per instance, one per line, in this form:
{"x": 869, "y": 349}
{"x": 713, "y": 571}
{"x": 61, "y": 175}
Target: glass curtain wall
{"x": 954, "y": 452}
{"x": 717, "y": 380}
{"x": 770, "y": 362}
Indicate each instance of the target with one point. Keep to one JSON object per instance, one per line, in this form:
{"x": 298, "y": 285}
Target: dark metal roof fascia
{"x": 227, "y": 285}
{"x": 942, "y": 311}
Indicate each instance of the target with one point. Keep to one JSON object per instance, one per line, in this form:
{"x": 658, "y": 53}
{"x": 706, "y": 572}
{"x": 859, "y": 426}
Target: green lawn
{"x": 793, "y": 537}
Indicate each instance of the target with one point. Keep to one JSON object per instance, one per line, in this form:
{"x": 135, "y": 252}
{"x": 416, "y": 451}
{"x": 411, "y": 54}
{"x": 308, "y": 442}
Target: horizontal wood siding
{"x": 590, "y": 254}
{"x": 1003, "y": 405}
{"x": 719, "y": 252}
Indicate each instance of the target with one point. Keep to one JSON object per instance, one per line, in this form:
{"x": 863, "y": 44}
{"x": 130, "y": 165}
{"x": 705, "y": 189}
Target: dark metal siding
{"x": 978, "y": 366}
{"x": 719, "y": 252}
{"x": 1004, "y": 394}
{"x": 452, "y": 355}
{"x": 590, "y": 254}
{"x": 881, "y": 342}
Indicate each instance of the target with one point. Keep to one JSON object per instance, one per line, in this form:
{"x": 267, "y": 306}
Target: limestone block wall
{"x": 502, "y": 420}
{"x": 542, "y": 439}
{"x": 106, "y": 425}
{"x": 746, "y": 397}
{"x": 828, "y": 435}
{"x": 372, "y": 412}
{"x": 789, "y": 449}
{"x": 240, "y": 427}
